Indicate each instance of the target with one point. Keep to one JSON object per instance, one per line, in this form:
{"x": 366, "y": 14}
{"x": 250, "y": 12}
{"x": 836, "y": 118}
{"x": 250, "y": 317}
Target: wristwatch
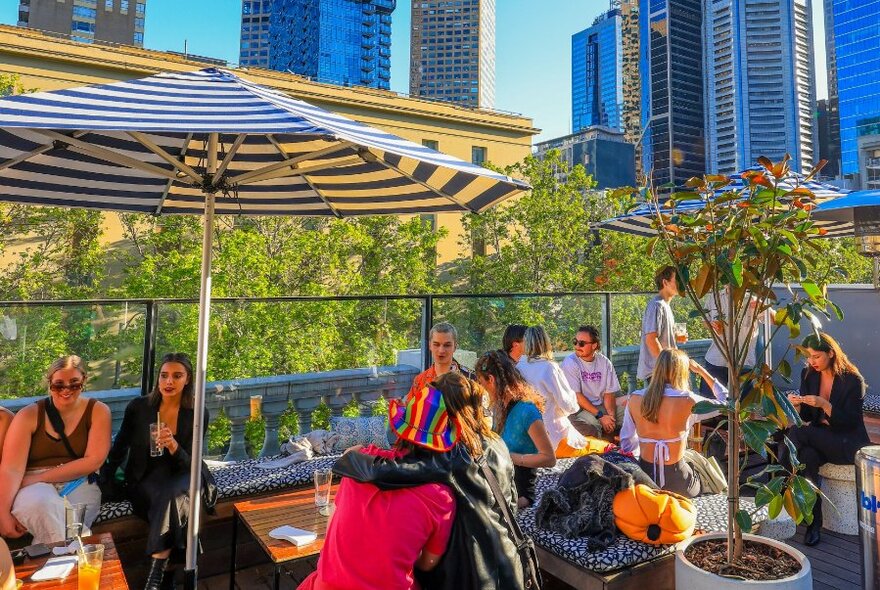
{"x": 599, "y": 414}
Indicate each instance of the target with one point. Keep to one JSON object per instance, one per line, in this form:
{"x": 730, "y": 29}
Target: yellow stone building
{"x": 49, "y": 63}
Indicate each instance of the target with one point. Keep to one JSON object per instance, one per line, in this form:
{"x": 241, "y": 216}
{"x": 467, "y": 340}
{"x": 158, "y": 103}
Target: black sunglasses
{"x": 581, "y": 343}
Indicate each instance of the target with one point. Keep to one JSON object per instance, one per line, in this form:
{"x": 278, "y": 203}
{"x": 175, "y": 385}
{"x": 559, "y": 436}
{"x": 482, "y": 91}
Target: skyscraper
{"x": 857, "y": 60}
{"x": 114, "y": 21}
{"x": 335, "y": 41}
{"x": 672, "y": 89}
{"x": 631, "y": 77}
{"x": 452, "y": 51}
{"x": 830, "y": 147}
{"x": 760, "y": 91}
{"x": 597, "y": 74}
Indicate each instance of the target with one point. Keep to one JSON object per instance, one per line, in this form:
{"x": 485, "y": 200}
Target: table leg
{"x": 276, "y": 578}
{"x": 234, "y": 543}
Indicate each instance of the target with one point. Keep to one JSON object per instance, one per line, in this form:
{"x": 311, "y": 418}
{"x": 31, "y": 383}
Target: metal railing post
{"x": 606, "y": 324}
{"x": 149, "y": 354}
{"x": 427, "y": 322}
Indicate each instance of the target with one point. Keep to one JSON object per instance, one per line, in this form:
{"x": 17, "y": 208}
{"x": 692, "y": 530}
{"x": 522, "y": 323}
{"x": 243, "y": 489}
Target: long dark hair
{"x": 840, "y": 363}
{"x": 510, "y": 385}
{"x": 186, "y": 398}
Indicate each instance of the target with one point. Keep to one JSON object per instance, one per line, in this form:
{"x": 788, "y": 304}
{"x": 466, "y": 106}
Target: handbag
{"x": 209, "y": 489}
{"x": 524, "y": 545}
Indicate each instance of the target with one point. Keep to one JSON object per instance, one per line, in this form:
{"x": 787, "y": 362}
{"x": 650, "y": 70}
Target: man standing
{"x": 512, "y": 341}
{"x": 442, "y": 341}
{"x": 592, "y": 377}
{"x": 658, "y": 322}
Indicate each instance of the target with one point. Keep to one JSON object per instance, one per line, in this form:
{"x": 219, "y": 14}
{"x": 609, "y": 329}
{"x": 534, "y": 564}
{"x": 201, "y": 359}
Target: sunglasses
{"x": 73, "y": 387}
{"x": 581, "y": 343}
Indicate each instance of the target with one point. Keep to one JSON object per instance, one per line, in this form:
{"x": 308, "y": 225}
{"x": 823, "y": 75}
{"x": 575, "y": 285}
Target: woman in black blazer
{"x": 830, "y": 404}
{"x": 158, "y": 487}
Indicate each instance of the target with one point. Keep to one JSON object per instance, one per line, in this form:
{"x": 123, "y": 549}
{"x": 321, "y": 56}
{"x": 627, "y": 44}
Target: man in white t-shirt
{"x": 591, "y": 375}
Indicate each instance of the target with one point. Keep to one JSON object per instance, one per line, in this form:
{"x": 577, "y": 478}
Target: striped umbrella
{"x": 209, "y": 142}
{"x": 638, "y": 221}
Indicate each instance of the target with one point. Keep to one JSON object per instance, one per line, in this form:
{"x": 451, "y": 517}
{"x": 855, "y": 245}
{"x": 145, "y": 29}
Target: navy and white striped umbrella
{"x": 209, "y": 142}
{"x": 638, "y": 221}
{"x": 141, "y": 145}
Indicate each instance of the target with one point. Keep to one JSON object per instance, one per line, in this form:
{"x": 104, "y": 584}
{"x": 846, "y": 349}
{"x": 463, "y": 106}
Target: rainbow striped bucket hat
{"x": 423, "y": 420}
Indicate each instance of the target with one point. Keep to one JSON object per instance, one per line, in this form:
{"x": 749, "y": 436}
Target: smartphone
{"x": 37, "y": 550}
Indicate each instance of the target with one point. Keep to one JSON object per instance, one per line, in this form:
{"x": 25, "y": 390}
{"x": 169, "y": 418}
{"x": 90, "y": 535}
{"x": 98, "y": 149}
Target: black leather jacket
{"x": 480, "y": 554}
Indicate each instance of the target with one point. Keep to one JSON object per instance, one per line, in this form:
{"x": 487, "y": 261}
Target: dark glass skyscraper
{"x": 335, "y": 41}
{"x": 672, "y": 89}
{"x": 857, "y": 59}
{"x": 596, "y": 74}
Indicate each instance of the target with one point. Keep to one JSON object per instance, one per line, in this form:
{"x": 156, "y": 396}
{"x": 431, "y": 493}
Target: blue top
{"x": 516, "y": 428}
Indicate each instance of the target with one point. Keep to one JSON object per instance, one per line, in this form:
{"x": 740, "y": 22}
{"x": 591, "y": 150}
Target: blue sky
{"x": 533, "y": 47}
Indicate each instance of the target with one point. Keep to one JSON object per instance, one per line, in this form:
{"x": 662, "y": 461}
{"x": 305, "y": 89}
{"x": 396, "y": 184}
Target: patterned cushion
{"x": 359, "y": 431}
{"x": 241, "y": 479}
{"x": 871, "y": 403}
{"x": 624, "y": 552}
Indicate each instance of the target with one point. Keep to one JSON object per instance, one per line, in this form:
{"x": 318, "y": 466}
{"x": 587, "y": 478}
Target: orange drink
{"x": 89, "y": 561}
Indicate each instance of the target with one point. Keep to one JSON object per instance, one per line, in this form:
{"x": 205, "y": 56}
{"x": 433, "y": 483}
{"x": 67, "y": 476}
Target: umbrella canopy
{"x": 638, "y": 221}
{"x": 140, "y": 145}
{"x": 206, "y": 142}
{"x": 844, "y": 208}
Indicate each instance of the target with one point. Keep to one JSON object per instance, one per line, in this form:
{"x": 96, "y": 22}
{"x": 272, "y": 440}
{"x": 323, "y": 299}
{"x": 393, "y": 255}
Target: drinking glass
{"x": 155, "y": 449}
{"x": 88, "y": 569}
{"x": 323, "y": 479}
{"x": 681, "y": 333}
{"x": 74, "y": 517}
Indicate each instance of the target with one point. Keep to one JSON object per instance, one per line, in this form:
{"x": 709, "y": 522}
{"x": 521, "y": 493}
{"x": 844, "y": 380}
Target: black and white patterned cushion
{"x": 871, "y": 403}
{"x": 624, "y": 552}
{"x": 241, "y": 479}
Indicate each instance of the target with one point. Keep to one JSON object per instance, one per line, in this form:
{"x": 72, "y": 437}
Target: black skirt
{"x": 162, "y": 499}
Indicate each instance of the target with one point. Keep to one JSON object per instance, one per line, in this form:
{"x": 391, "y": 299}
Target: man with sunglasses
{"x": 594, "y": 380}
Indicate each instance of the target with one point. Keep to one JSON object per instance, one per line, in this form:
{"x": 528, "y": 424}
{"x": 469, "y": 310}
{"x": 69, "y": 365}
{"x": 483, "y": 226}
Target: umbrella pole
{"x": 190, "y": 574}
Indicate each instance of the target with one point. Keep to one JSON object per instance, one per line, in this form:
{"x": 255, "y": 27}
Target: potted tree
{"x": 729, "y": 254}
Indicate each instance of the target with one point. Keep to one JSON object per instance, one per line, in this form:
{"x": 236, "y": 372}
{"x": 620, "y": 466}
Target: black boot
{"x": 168, "y": 581}
{"x": 812, "y": 536}
{"x": 157, "y": 573}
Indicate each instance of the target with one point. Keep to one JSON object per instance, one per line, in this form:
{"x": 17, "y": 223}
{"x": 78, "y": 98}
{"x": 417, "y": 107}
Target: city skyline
{"x": 533, "y": 48}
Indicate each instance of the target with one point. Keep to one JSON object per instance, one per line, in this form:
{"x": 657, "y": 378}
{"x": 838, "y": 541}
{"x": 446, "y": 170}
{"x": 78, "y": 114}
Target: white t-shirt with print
{"x": 592, "y": 379}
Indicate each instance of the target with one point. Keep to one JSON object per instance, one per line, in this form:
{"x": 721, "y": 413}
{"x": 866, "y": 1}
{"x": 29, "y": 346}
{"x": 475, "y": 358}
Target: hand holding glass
{"x": 156, "y": 449}
{"x": 88, "y": 569}
{"x": 323, "y": 479}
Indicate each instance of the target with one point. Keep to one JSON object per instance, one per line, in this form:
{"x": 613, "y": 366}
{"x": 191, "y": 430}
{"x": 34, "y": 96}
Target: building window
{"x": 431, "y": 144}
{"x": 139, "y": 38}
{"x": 139, "y": 22}
{"x": 478, "y": 155}
{"x": 108, "y": 5}
{"x": 83, "y": 12}
{"x": 140, "y": 8}
{"x": 123, "y": 6}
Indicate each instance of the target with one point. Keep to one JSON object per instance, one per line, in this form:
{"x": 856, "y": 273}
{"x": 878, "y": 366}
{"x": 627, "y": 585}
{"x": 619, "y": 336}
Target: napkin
{"x": 296, "y": 536}
{"x": 55, "y": 568}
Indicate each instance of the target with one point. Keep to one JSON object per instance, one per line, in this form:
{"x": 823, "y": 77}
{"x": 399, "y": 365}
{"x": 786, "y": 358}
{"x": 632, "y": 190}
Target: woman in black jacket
{"x": 830, "y": 404}
{"x": 158, "y": 486}
{"x": 480, "y": 554}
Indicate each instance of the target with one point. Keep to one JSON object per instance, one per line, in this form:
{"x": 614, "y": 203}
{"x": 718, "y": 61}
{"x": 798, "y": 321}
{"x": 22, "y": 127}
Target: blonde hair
{"x": 70, "y": 361}
{"x": 537, "y": 343}
{"x": 673, "y": 369}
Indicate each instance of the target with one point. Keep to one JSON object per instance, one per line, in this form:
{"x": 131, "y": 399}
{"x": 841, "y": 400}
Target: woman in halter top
{"x": 658, "y": 419}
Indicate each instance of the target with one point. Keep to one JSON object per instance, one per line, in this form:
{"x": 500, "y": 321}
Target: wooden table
{"x": 112, "y": 576}
{"x": 296, "y": 508}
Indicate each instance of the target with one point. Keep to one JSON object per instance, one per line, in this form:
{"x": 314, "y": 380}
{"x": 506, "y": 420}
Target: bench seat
{"x": 243, "y": 478}
{"x": 623, "y": 552}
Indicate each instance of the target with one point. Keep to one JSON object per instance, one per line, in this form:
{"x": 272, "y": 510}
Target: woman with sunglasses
{"x": 518, "y": 419}
{"x": 157, "y": 473}
{"x": 50, "y": 456}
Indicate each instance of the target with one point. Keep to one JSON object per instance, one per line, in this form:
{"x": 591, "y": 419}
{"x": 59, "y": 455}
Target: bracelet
{"x": 599, "y": 414}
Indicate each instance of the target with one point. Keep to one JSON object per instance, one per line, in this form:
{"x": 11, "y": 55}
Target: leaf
{"x": 784, "y": 368}
{"x": 812, "y": 290}
{"x": 652, "y": 243}
{"x": 804, "y": 497}
{"x": 767, "y": 492}
{"x": 707, "y": 407}
{"x": 774, "y": 507}
{"x": 744, "y": 520}
{"x": 701, "y": 284}
{"x": 837, "y": 311}
{"x": 756, "y": 433}
{"x": 736, "y": 271}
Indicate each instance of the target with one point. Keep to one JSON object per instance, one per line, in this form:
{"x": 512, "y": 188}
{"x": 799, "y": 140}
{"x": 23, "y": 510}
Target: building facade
{"x": 631, "y": 77}
{"x": 346, "y": 42}
{"x": 452, "y": 51}
{"x": 603, "y": 152}
{"x": 86, "y": 21}
{"x": 857, "y": 60}
{"x": 597, "y": 74}
{"x": 760, "y": 94}
{"x": 830, "y": 149}
{"x": 672, "y": 109}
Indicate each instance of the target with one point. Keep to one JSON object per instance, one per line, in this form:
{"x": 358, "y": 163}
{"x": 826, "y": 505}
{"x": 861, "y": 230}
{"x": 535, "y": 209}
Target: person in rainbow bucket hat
{"x": 366, "y": 547}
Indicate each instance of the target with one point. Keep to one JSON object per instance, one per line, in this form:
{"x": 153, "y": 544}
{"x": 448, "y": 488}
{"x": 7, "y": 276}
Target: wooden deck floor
{"x": 836, "y": 564}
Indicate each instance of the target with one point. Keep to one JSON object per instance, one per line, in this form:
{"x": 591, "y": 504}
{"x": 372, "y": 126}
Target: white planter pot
{"x": 690, "y": 577}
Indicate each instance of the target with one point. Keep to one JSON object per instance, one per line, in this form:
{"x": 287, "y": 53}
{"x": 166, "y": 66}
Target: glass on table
{"x": 74, "y": 517}
{"x": 681, "y": 333}
{"x": 88, "y": 569}
{"x": 323, "y": 479}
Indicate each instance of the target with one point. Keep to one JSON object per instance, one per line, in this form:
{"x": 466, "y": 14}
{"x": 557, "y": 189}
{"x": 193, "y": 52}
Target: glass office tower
{"x": 596, "y": 74}
{"x": 857, "y": 57}
{"x": 673, "y": 145}
{"x": 760, "y": 90}
{"x": 345, "y": 42}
